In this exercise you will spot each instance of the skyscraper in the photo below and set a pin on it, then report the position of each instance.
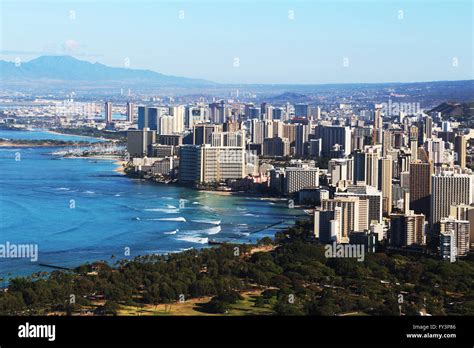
(298, 178)
(464, 212)
(378, 126)
(460, 149)
(142, 117)
(350, 214)
(460, 229)
(366, 165)
(340, 169)
(130, 112)
(276, 147)
(165, 125)
(447, 245)
(139, 142)
(302, 110)
(108, 112)
(302, 132)
(202, 133)
(448, 189)
(373, 198)
(420, 187)
(208, 164)
(428, 127)
(385, 183)
(178, 118)
(407, 229)
(332, 135)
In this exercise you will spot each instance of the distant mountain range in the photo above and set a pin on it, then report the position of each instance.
(450, 109)
(60, 75)
(70, 70)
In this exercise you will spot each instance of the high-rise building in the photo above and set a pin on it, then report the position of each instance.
(407, 229)
(234, 139)
(428, 129)
(322, 225)
(142, 117)
(165, 123)
(378, 126)
(464, 212)
(217, 112)
(385, 183)
(289, 132)
(202, 133)
(148, 117)
(350, 214)
(302, 110)
(317, 113)
(257, 131)
(460, 229)
(277, 128)
(436, 150)
(386, 142)
(420, 187)
(449, 189)
(447, 246)
(332, 135)
(222, 163)
(139, 142)
(302, 133)
(130, 112)
(276, 147)
(371, 195)
(315, 146)
(108, 112)
(341, 169)
(460, 149)
(298, 178)
(207, 164)
(177, 112)
(366, 165)
(190, 164)
(251, 112)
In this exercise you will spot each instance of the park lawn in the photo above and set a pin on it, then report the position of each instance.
(184, 309)
(247, 306)
(190, 308)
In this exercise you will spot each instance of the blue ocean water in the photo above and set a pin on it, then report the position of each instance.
(81, 210)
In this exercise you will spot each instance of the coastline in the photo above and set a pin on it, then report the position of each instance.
(120, 166)
(26, 144)
(80, 136)
(119, 162)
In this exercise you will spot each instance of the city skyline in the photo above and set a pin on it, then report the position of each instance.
(273, 160)
(286, 43)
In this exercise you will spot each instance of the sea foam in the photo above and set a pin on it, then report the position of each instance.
(193, 239)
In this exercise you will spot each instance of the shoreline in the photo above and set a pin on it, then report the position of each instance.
(118, 161)
(120, 169)
(46, 144)
(74, 135)
(120, 166)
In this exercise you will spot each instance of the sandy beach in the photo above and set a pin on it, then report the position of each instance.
(120, 166)
(75, 135)
(221, 193)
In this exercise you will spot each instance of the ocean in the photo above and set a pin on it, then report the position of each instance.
(80, 210)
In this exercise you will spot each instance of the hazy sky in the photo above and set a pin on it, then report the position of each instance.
(259, 41)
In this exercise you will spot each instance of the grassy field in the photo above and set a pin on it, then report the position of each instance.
(191, 308)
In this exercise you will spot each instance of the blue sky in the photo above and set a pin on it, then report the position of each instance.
(377, 42)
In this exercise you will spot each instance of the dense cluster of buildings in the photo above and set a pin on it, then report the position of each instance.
(396, 179)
